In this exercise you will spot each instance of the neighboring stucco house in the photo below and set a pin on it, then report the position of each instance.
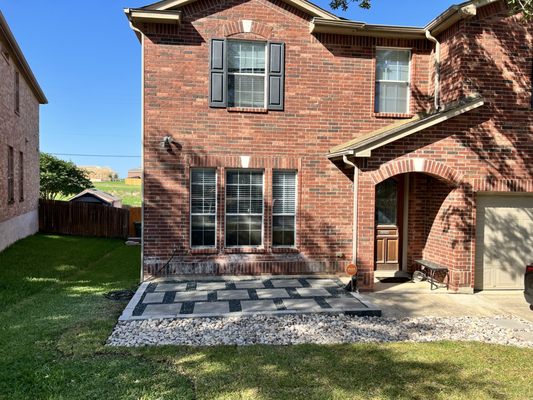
(266, 123)
(20, 96)
(96, 196)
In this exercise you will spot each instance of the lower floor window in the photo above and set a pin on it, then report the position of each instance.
(244, 208)
(203, 207)
(283, 208)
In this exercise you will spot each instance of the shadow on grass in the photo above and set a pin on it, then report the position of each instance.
(53, 346)
(339, 371)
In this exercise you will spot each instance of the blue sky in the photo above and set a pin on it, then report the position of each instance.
(90, 69)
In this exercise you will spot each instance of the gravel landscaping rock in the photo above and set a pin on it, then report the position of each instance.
(320, 329)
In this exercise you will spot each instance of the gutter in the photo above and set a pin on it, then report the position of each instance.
(141, 37)
(137, 15)
(343, 27)
(355, 206)
(437, 69)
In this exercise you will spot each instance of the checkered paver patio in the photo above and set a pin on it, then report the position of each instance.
(186, 298)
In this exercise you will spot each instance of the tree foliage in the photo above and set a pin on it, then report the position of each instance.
(60, 177)
(523, 6)
(516, 6)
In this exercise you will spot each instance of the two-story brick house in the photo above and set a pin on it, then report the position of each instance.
(279, 138)
(20, 97)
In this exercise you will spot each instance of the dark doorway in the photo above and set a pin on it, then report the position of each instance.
(388, 221)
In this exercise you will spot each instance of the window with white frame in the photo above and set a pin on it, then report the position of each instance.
(283, 208)
(203, 207)
(246, 74)
(244, 208)
(392, 80)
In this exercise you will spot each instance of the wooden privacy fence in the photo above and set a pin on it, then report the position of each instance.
(83, 219)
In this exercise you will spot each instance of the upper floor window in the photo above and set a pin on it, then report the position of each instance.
(392, 81)
(10, 175)
(17, 92)
(248, 74)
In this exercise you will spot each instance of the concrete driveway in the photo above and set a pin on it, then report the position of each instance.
(416, 300)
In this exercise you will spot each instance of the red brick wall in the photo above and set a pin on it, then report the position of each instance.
(430, 235)
(22, 133)
(488, 149)
(328, 100)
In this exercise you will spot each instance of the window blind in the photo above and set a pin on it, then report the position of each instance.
(283, 208)
(203, 207)
(244, 208)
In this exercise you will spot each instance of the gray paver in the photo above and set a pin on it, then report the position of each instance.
(210, 285)
(232, 294)
(154, 297)
(191, 296)
(272, 293)
(170, 287)
(160, 310)
(211, 307)
(318, 283)
(249, 285)
(284, 283)
(345, 304)
(258, 305)
(313, 292)
(302, 304)
(508, 323)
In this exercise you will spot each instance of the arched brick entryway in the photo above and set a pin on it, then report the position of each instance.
(421, 165)
(440, 226)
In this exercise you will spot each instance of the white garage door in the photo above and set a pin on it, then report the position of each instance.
(504, 240)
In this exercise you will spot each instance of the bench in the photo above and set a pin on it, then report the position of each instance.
(430, 269)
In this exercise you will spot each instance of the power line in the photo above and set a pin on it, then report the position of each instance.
(94, 155)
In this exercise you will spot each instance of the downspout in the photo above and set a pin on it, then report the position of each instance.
(432, 38)
(355, 206)
(142, 144)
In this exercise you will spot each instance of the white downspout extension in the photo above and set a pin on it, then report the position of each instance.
(437, 68)
(355, 206)
(142, 147)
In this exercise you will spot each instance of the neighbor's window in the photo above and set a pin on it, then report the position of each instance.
(392, 81)
(10, 175)
(246, 74)
(283, 208)
(21, 176)
(244, 208)
(17, 92)
(203, 207)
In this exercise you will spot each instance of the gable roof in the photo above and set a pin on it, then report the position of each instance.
(362, 146)
(168, 11)
(304, 5)
(107, 197)
(24, 67)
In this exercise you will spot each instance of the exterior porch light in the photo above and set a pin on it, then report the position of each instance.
(167, 143)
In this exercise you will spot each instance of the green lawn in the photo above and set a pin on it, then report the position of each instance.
(130, 195)
(54, 322)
